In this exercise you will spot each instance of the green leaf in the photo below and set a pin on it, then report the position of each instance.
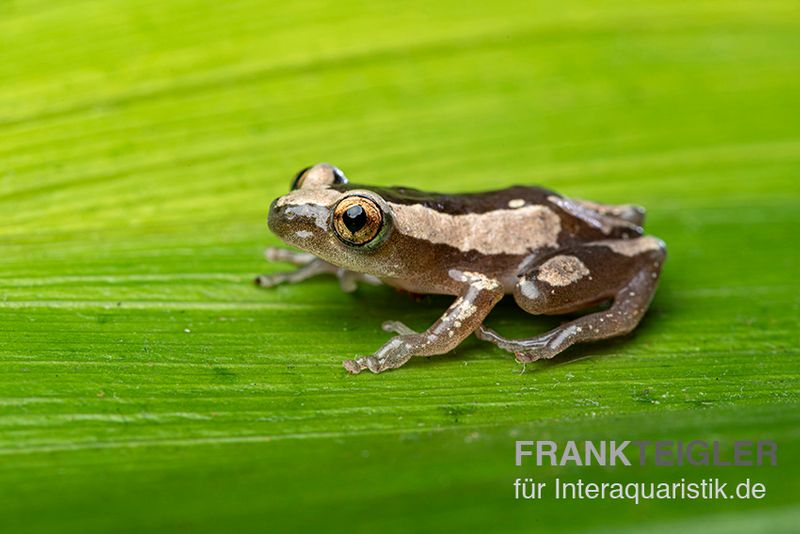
(145, 383)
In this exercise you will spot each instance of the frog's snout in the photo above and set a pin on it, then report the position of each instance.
(273, 217)
(297, 223)
(279, 220)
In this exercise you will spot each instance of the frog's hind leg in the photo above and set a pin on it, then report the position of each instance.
(625, 270)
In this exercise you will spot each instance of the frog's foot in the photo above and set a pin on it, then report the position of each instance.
(348, 280)
(357, 365)
(525, 350)
(391, 356)
(272, 280)
(287, 255)
(312, 268)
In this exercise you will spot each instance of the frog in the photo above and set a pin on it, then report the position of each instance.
(551, 253)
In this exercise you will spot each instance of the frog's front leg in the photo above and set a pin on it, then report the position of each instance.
(479, 296)
(310, 266)
(273, 254)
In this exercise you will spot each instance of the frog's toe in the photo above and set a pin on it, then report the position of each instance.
(526, 356)
(275, 279)
(264, 280)
(361, 363)
(352, 367)
(286, 255)
(484, 333)
(537, 349)
(397, 327)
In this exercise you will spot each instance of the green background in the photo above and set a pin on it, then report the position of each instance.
(145, 383)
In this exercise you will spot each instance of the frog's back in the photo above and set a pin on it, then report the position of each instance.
(468, 203)
(577, 220)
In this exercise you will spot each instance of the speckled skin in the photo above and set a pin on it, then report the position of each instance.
(553, 254)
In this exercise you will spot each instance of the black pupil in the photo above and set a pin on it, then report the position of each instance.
(354, 218)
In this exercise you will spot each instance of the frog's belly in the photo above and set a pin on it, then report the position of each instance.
(450, 287)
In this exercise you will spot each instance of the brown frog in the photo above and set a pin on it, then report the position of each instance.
(554, 254)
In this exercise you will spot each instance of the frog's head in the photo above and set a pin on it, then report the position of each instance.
(324, 215)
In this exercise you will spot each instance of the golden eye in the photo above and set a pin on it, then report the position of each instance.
(357, 220)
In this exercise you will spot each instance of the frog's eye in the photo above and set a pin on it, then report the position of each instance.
(319, 175)
(357, 220)
(338, 176)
